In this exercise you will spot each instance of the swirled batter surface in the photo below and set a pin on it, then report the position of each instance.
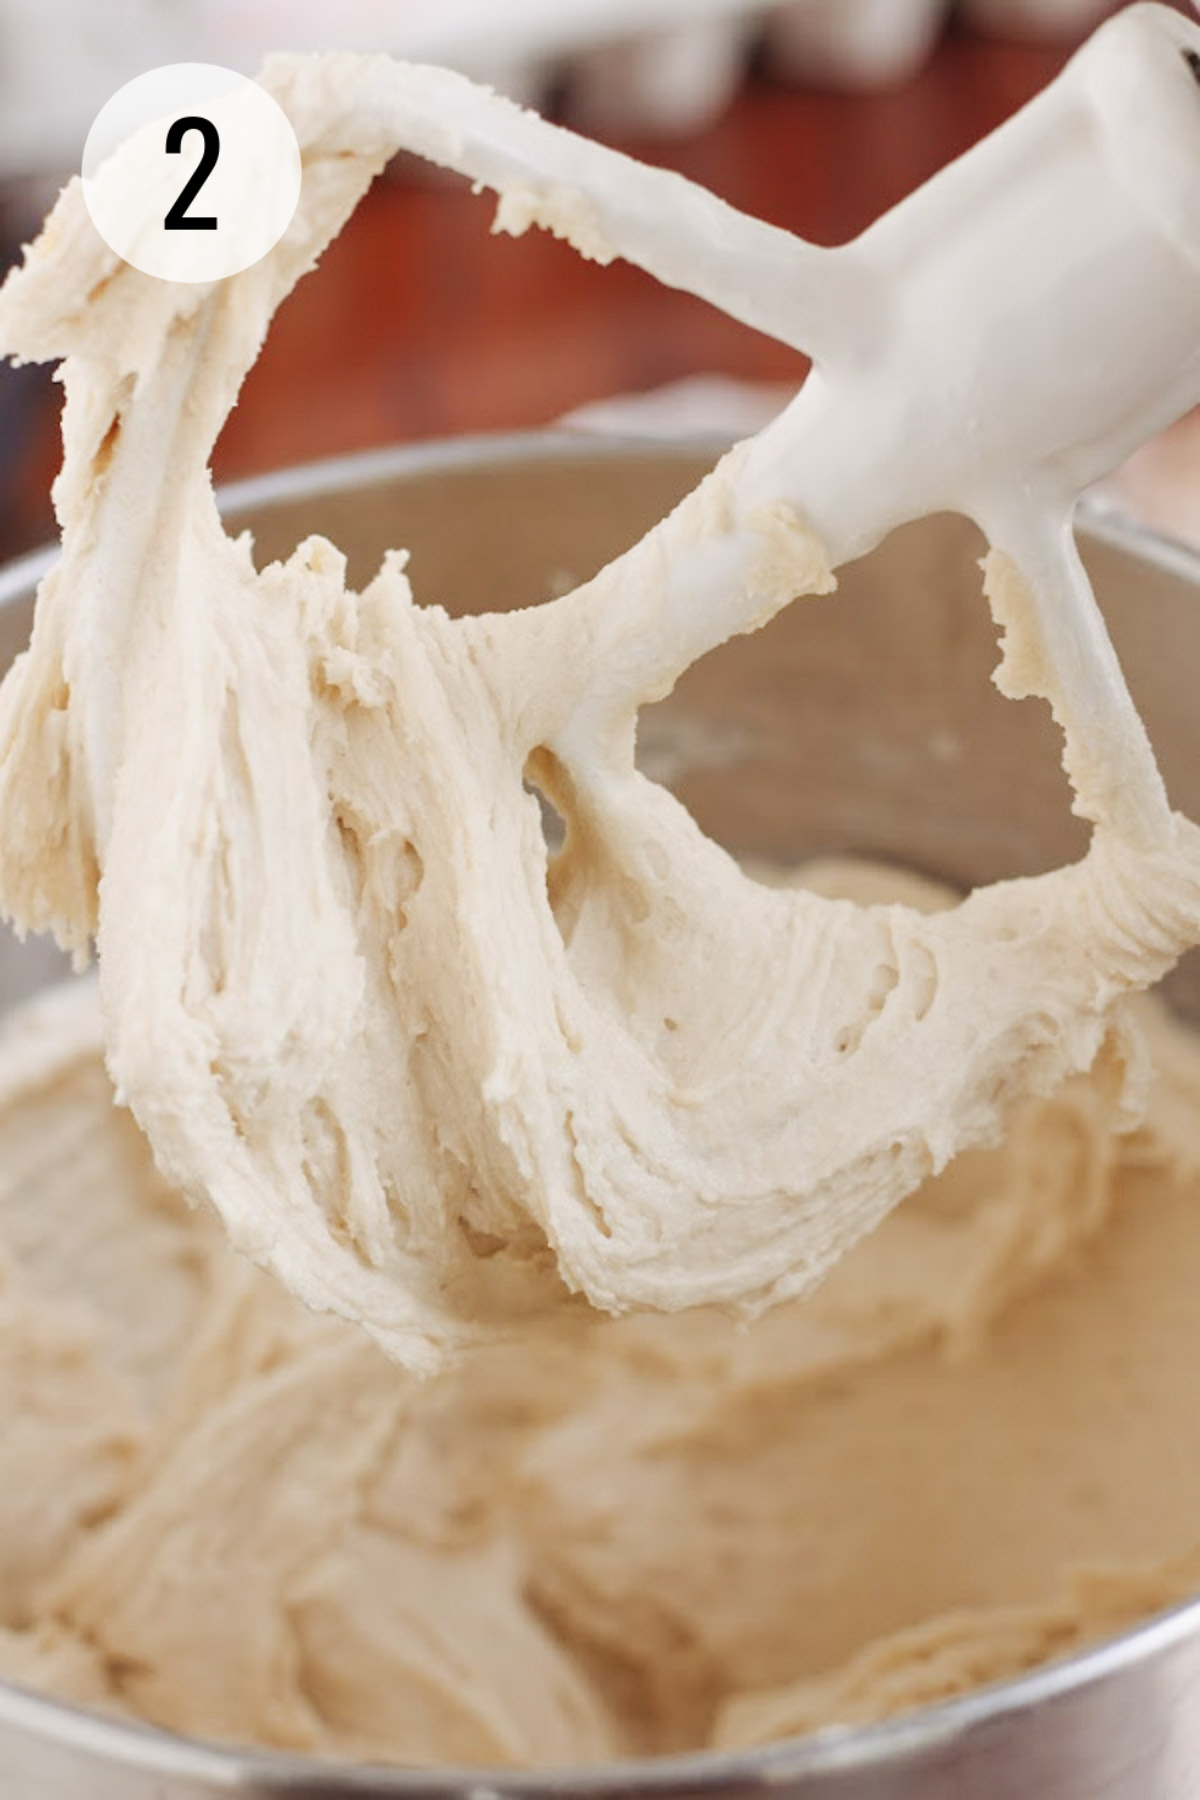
(972, 1450)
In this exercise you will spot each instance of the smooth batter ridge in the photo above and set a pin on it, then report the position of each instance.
(426, 1073)
(971, 1450)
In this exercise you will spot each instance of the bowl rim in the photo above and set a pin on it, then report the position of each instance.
(1098, 514)
(837, 1749)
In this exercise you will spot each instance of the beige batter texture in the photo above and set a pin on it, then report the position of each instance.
(426, 1073)
(972, 1450)
(450, 1089)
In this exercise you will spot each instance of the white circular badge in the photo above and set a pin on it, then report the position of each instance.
(191, 172)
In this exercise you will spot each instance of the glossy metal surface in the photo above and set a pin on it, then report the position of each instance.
(867, 725)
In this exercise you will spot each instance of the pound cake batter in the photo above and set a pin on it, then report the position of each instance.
(451, 1089)
(972, 1450)
(424, 1071)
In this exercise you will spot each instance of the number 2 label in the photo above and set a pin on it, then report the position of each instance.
(178, 219)
(221, 196)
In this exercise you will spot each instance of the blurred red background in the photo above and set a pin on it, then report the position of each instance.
(421, 323)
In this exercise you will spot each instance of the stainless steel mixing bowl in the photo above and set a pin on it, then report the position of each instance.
(867, 724)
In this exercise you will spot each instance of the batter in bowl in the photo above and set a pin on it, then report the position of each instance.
(453, 1089)
(970, 1451)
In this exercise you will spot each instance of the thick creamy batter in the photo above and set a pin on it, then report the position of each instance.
(424, 1072)
(234, 1517)
(449, 1087)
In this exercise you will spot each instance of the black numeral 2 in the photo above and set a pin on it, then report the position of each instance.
(177, 219)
